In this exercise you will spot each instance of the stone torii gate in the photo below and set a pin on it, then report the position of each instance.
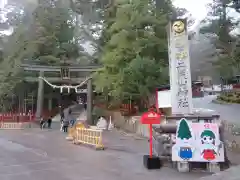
(65, 72)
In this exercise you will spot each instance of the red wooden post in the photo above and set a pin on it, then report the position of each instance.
(151, 118)
(150, 140)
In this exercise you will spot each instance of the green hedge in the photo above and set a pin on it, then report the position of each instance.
(231, 97)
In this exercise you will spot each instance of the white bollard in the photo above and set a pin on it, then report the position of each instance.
(110, 125)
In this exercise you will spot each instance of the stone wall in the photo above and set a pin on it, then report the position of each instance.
(128, 124)
(133, 125)
(232, 136)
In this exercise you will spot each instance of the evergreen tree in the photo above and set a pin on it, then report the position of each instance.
(220, 25)
(42, 34)
(183, 130)
(135, 55)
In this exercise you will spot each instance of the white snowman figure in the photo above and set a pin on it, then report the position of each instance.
(102, 123)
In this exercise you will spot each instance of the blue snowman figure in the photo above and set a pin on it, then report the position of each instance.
(185, 153)
(184, 135)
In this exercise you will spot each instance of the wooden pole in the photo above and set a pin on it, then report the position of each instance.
(150, 141)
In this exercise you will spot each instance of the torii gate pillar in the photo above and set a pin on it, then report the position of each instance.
(89, 102)
(40, 95)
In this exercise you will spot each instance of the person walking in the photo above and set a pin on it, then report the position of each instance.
(42, 123)
(65, 124)
(71, 118)
(85, 106)
(61, 120)
(72, 122)
(49, 121)
(62, 115)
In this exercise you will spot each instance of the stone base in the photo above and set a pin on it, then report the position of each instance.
(213, 167)
(151, 162)
(183, 166)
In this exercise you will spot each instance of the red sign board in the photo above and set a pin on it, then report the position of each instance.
(151, 117)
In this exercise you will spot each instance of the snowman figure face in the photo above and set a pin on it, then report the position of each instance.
(207, 140)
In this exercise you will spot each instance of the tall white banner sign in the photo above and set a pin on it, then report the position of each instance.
(179, 63)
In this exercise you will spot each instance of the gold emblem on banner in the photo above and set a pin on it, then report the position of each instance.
(181, 55)
(178, 26)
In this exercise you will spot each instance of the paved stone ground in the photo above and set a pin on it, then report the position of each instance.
(230, 174)
(77, 112)
(36, 154)
(228, 112)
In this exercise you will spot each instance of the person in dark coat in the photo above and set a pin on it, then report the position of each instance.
(69, 111)
(49, 121)
(62, 115)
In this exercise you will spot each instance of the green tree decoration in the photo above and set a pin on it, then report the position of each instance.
(183, 130)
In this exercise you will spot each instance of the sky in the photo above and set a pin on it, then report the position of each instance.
(2, 2)
(197, 8)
